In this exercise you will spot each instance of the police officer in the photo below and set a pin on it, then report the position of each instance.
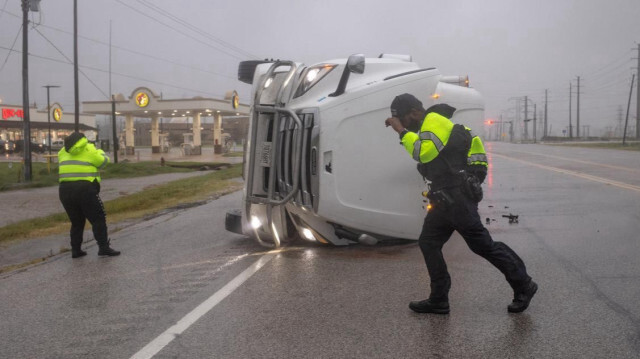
(454, 162)
(79, 176)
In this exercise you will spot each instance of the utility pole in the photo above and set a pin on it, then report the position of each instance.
(113, 127)
(33, 5)
(638, 99)
(626, 121)
(570, 94)
(526, 120)
(535, 134)
(578, 110)
(619, 126)
(49, 113)
(75, 66)
(545, 133)
(113, 107)
(511, 131)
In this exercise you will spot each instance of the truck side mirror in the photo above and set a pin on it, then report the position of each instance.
(355, 64)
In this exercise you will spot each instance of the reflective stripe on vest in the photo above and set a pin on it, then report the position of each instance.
(89, 174)
(477, 158)
(416, 150)
(427, 135)
(435, 139)
(73, 162)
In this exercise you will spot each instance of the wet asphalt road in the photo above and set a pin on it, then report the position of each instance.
(578, 233)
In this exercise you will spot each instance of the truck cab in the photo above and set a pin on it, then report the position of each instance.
(320, 164)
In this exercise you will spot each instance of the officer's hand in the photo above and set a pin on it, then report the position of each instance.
(395, 123)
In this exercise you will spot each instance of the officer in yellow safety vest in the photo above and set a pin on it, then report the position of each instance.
(79, 176)
(454, 161)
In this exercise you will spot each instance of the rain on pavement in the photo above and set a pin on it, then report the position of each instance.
(577, 231)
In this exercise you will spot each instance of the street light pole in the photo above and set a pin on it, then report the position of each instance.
(113, 129)
(49, 113)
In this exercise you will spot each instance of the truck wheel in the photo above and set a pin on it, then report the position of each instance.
(246, 69)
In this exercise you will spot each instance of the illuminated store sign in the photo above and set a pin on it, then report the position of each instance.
(9, 112)
(142, 99)
(235, 100)
(57, 114)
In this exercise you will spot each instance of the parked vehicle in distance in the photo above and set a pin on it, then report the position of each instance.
(35, 147)
(7, 146)
(56, 145)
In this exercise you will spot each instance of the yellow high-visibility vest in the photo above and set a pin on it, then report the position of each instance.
(82, 163)
(434, 135)
(477, 155)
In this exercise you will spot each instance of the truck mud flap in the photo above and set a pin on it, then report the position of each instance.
(233, 221)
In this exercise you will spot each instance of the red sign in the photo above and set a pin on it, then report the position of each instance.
(9, 112)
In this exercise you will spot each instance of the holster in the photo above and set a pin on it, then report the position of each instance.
(471, 187)
(440, 197)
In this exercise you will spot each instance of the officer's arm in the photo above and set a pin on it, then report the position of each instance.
(422, 151)
(477, 159)
(105, 158)
(98, 157)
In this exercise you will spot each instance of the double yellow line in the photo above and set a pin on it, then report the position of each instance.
(574, 173)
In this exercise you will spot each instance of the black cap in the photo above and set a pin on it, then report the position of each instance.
(403, 104)
(442, 109)
(72, 139)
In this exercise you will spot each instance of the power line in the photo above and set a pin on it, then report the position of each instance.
(625, 55)
(3, 7)
(71, 62)
(11, 49)
(10, 13)
(141, 53)
(603, 75)
(118, 74)
(131, 51)
(188, 25)
(176, 30)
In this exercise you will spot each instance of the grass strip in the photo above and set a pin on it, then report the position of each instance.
(605, 145)
(11, 173)
(137, 205)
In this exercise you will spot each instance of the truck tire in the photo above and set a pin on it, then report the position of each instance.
(246, 69)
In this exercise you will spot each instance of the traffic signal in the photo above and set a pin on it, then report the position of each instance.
(489, 122)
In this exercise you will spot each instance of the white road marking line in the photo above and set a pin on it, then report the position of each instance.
(156, 345)
(577, 174)
(580, 161)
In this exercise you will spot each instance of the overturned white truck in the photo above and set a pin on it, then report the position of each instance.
(319, 162)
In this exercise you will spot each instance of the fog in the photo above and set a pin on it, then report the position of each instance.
(509, 49)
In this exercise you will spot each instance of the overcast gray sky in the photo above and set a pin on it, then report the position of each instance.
(508, 48)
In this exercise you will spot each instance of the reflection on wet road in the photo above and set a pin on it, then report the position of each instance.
(579, 219)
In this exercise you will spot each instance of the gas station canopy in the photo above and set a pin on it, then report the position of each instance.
(145, 103)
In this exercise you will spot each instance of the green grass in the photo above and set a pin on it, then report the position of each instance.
(137, 205)
(233, 154)
(12, 175)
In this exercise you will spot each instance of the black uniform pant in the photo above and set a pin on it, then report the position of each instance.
(81, 200)
(462, 216)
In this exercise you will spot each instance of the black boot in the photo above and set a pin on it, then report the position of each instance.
(522, 298)
(106, 251)
(428, 306)
(77, 253)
